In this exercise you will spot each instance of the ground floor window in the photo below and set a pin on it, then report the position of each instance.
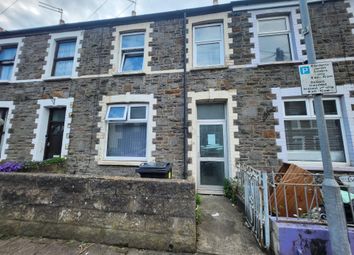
(127, 131)
(301, 132)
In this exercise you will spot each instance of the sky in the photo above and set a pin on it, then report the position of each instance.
(27, 14)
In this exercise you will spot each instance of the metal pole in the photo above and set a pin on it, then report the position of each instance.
(333, 202)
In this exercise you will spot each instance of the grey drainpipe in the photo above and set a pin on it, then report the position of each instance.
(185, 109)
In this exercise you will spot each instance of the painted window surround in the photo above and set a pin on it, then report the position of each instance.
(19, 42)
(232, 130)
(350, 9)
(49, 59)
(295, 34)
(102, 125)
(215, 18)
(42, 125)
(7, 126)
(343, 92)
(116, 51)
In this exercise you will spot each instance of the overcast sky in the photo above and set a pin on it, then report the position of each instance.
(27, 13)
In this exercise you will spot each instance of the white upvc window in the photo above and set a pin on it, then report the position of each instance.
(208, 46)
(132, 52)
(301, 132)
(126, 132)
(274, 38)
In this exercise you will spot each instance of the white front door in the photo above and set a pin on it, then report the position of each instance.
(212, 149)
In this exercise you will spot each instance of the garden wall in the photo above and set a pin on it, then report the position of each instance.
(300, 238)
(141, 213)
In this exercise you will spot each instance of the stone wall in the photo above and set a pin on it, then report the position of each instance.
(167, 45)
(141, 213)
(96, 51)
(32, 59)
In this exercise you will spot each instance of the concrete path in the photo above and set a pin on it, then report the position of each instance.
(221, 232)
(222, 229)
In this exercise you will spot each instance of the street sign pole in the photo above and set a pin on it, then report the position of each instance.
(333, 202)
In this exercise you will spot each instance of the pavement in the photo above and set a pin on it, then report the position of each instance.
(221, 232)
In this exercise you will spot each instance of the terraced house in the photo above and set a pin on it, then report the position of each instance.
(202, 88)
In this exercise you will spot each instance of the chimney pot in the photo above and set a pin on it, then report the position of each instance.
(133, 13)
(215, 2)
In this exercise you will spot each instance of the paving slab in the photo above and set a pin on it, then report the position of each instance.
(222, 230)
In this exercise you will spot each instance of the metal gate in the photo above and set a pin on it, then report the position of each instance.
(253, 191)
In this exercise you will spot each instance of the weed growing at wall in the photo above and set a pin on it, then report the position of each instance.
(198, 211)
(230, 189)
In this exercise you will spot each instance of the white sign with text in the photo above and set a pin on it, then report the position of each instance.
(317, 79)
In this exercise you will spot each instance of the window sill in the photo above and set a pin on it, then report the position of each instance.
(5, 82)
(295, 62)
(59, 78)
(201, 68)
(129, 73)
(119, 163)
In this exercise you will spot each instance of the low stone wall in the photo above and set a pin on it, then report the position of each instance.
(302, 238)
(141, 213)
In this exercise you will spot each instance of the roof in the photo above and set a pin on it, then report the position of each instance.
(135, 19)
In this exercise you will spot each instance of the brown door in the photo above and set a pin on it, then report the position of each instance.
(3, 112)
(54, 137)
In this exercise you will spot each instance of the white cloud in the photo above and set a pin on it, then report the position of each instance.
(27, 13)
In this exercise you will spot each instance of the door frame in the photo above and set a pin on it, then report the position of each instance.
(211, 189)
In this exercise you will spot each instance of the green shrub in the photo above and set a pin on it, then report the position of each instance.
(230, 189)
(198, 211)
(198, 199)
(53, 165)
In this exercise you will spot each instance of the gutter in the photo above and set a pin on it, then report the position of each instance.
(185, 108)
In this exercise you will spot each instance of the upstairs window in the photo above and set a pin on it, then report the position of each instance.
(301, 132)
(127, 132)
(208, 45)
(64, 57)
(7, 60)
(274, 39)
(132, 52)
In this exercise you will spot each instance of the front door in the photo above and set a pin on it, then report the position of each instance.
(212, 148)
(54, 137)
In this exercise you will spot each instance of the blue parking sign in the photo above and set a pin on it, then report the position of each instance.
(305, 70)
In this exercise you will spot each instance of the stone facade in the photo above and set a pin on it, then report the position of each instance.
(257, 136)
(120, 211)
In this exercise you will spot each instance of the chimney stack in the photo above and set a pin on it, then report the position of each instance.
(1, 29)
(215, 2)
(133, 13)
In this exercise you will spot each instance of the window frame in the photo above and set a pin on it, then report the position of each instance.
(221, 42)
(312, 116)
(56, 59)
(8, 62)
(130, 51)
(127, 120)
(289, 32)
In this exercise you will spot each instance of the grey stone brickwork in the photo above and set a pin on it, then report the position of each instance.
(96, 51)
(33, 55)
(241, 38)
(254, 98)
(167, 45)
(332, 30)
(139, 213)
